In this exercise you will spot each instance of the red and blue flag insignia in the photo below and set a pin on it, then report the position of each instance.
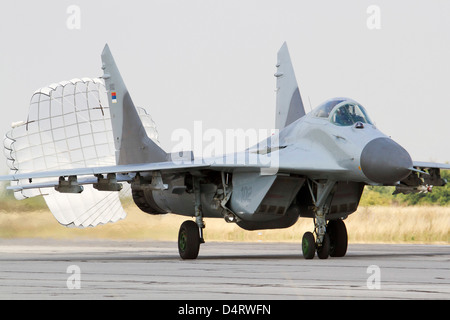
(114, 97)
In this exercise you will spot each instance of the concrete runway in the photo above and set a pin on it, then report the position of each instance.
(103, 269)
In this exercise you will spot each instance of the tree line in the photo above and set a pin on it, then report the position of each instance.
(374, 195)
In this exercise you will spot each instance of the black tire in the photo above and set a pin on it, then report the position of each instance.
(308, 245)
(323, 251)
(188, 240)
(338, 238)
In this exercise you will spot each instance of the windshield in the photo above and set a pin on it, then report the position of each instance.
(349, 114)
(323, 111)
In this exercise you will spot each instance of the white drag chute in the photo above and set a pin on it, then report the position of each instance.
(69, 127)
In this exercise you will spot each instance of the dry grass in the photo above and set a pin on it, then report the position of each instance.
(368, 224)
(419, 224)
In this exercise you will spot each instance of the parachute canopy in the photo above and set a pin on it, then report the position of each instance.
(69, 126)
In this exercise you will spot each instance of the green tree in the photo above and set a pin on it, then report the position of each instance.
(382, 196)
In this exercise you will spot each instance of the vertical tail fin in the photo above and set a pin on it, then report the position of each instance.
(289, 102)
(131, 141)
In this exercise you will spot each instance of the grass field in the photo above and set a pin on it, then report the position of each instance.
(373, 224)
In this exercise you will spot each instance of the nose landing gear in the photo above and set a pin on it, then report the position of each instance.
(331, 239)
(334, 243)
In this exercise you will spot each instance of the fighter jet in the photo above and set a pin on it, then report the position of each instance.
(315, 165)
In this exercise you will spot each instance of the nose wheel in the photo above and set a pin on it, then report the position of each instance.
(338, 238)
(334, 242)
(308, 245)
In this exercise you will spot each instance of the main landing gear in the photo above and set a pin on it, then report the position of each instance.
(328, 239)
(190, 235)
(189, 240)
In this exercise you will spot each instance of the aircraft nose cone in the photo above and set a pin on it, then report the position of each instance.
(385, 161)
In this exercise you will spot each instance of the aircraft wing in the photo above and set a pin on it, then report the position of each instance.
(429, 176)
(121, 170)
(125, 173)
(431, 165)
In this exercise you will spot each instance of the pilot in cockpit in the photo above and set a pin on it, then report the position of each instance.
(343, 117)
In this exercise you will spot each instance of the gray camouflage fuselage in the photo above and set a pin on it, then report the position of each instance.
(312, 148)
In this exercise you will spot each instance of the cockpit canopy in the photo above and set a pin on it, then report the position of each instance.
(342, 112)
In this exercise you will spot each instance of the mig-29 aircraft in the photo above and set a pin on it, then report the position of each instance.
(316, 165)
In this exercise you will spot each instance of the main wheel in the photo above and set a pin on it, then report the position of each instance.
(338, 238)
(323, 251)
(188, 240)
(308, 245)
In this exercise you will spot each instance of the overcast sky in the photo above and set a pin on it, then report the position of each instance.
(214, 60)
